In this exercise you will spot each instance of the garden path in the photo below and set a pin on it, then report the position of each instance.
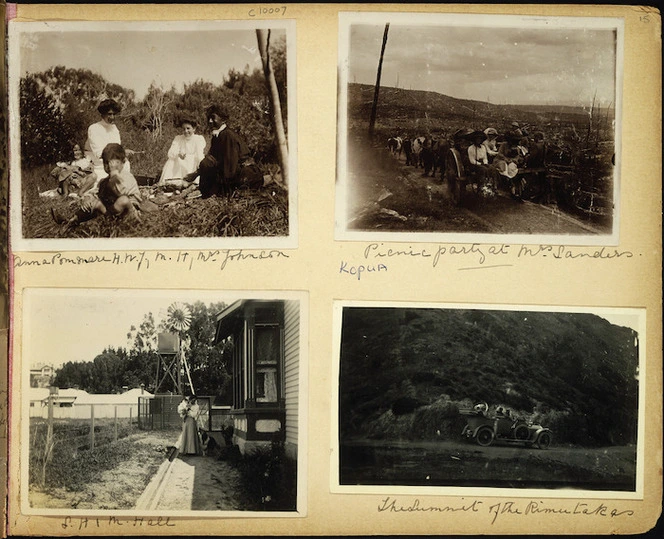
(196, 483)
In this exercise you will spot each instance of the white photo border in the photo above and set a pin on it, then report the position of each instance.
(347, 19)
(19, 243)
(570, 493)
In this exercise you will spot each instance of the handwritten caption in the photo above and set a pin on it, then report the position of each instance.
(84, 523)
(507, 509)
(144, 260)
(375, 256)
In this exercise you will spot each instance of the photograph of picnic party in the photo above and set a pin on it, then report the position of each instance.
(156, 403)
(478, 124)
(518, 399)
(152, 130)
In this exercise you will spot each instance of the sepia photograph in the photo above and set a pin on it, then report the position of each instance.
(471, 127)
(139, 132)
(163, 402)
(522, 399)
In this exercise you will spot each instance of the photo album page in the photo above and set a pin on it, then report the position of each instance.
(325, 269)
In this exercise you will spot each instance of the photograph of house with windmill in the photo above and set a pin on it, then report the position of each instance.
(477, 126)
(163, 401)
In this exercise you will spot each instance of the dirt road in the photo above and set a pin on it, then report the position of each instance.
(449, 463)
(385, 194)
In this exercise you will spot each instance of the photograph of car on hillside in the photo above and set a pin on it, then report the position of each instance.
(491, 397)
(131, 133)
(477, 126)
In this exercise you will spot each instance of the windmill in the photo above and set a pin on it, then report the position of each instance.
(171, 345)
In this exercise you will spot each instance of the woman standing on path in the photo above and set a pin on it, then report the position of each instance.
(189, 442)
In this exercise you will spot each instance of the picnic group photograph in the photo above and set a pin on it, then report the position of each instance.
(162, 402)
(478, 125)
(152, 130)
(516, 399)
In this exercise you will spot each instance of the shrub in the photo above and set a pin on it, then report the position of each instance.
(270, 478)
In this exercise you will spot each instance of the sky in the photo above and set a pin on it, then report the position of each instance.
(77, 325)
(499, 65)
(135, 58)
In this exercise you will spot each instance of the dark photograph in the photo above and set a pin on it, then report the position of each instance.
(164, 403)
(152, 130)
(489, 398)
(478, 125)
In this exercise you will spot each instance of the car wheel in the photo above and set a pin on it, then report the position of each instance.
(522, 433)
(484, 436)
(544, 440)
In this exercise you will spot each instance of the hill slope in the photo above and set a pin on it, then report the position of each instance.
(574, 369)
(399, 108)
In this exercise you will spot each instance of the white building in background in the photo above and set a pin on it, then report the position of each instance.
(78, 404)
(41, 375)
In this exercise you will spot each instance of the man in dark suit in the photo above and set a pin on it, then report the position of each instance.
(227, 164)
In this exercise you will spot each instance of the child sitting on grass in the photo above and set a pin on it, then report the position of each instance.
(117, 194)
(74, 178)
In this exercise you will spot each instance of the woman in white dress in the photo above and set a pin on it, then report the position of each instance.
(102, 133)
(185, 153)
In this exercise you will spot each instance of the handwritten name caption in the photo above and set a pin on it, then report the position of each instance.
(84, 523)
(144, 260)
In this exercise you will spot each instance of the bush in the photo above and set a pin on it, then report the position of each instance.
(270, 478)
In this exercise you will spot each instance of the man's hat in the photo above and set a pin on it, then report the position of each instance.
(477, 134)
(490, 131)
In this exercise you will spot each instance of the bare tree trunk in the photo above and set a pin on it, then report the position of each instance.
(372, 121)
(275, 103)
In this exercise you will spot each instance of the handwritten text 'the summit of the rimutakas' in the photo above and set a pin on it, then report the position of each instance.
(506, 509)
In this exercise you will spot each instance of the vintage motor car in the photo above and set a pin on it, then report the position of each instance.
(486, 429)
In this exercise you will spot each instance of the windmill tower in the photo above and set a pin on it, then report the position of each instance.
(171, 351)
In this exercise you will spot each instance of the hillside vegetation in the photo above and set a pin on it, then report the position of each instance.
(422, 111)
(405, 373)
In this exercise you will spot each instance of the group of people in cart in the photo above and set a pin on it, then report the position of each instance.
(500, 161)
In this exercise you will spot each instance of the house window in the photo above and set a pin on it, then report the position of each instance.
(268, 353)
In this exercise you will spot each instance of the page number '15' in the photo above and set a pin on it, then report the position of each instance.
(644, 18)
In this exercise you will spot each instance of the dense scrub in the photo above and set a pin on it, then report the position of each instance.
(406, 372)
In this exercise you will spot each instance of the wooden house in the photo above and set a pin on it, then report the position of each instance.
(265, 335)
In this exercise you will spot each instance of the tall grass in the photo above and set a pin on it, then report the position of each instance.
(68, 460)
(249, 212)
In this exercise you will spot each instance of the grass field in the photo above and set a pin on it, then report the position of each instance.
(245, 213)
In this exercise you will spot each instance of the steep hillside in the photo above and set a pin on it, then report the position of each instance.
(577, 370)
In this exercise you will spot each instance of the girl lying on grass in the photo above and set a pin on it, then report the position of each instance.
(117, 194)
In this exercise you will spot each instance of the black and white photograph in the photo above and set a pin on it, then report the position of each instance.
(136, 134)
(534, 400)
(163, 403)
(471, 127)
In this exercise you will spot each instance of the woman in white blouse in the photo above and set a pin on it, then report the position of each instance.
(102, 133)
(185, 153)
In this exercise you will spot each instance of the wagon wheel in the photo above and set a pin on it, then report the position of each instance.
(454, 175)
(544, 440)
(484, 436)
(522, 433)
